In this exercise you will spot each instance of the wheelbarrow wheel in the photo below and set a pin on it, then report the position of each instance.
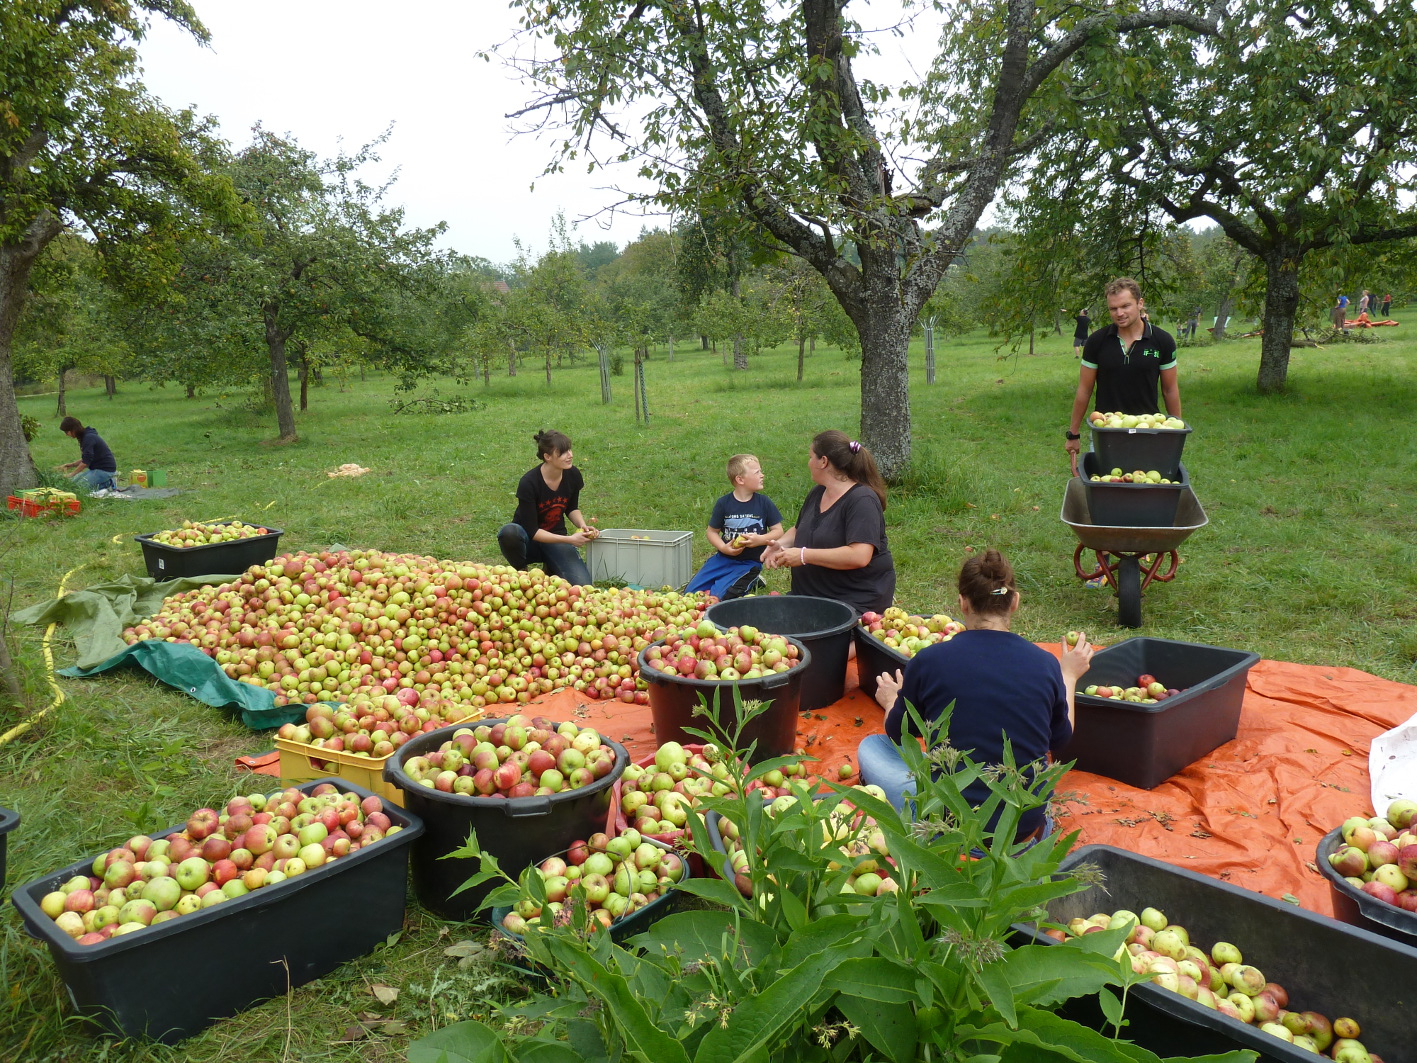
(1129, 591)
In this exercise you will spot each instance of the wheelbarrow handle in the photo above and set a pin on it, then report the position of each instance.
(1073, 461)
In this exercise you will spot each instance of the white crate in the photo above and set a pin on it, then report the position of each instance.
(642, 558)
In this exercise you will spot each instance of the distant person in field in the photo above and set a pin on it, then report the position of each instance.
(1363, 301)
(1339, 313)
(1387, 306)
(1124, 362)
(96, 465)
(546, 496)
(742, 523)
(1193, 324)
(1084, 322)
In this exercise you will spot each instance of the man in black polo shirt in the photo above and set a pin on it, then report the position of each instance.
(1125, 361)
(96, 465)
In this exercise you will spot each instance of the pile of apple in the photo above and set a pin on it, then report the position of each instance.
(194, 533)
(1117, 476)
(861, 845)
(1135, 420)
(516, 757)
(327, 626)
(253, 843)
(602, 879)
(1222, 981)
(1379, 855)
(908, 634)
(371, 725)
(707, 652)
(658, 798)
(1148, 691)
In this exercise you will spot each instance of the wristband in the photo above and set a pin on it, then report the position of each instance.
(1071, 435)
(802, 557)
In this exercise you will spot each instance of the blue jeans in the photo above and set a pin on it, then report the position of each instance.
(95, 479)
(881, 763)
(559, 559)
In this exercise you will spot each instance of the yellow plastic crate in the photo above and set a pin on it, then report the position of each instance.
(301, 763)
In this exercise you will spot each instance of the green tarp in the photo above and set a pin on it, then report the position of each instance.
(96, 617)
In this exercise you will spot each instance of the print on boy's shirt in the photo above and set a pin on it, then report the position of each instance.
(746, 524)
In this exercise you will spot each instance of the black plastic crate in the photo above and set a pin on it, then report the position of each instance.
(874, 657)
(172, 980)
(1123, 505)
(1144, 745)
(220, 559)
(1140, 448)
(1355, 907)
(8, 822)
(1325, 965)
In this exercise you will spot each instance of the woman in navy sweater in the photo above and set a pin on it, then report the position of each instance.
(1003, 687)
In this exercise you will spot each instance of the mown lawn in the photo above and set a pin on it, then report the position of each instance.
(1310, 555)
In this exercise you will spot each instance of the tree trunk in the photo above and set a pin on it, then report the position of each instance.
(703, 342)
(1222, 314)
(303, 374)
(812, 345)
(1281, 303)
(280, 376)
(110, 385)
(801, 356)
(10, 689)
(548, 369)
(671, 348)
(885, 384)
(60, 409)
(512, 360)
(17, 471)
(740, 353)
(191, 391)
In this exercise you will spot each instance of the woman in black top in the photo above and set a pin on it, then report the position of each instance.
(838, 548)
(546, 496)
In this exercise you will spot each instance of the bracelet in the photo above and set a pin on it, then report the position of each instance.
(802, 557)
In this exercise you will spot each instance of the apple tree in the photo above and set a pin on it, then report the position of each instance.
(84, 148)
(759, 108)
(324, 258)
(1294, 131)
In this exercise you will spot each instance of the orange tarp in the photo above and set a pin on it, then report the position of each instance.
(1251, 812)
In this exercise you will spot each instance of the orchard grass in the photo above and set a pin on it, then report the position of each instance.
(1310, 556)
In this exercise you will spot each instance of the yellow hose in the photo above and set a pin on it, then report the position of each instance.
(24, 725)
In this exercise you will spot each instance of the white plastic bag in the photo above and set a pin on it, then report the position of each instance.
(1392, 765)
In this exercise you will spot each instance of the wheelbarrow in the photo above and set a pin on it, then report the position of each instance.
(1129, 559)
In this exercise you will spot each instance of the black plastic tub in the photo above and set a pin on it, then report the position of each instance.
(626, 926)
(8, 822)
(673, 699)
(214, 559)
(1140, 448)
(1355, 907)
(517, 831)
(1144, 745)
(1131, 505)
(1325, 965)
(172, 980)
(823, 625)
(874, 657)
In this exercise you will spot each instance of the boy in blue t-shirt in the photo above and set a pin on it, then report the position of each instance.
(742, 523)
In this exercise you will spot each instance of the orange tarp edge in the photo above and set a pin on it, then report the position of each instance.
(1251, 813)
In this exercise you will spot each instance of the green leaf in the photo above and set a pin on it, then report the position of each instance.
(1111, 1005)
(759, 1021)
(551, 1052)
(708, 934)
(462, 1042)
(642, 1036)
(890, 1028)
(714, 889)
(842, 933)
(875, 978)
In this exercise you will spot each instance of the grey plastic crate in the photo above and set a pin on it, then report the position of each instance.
(642, 558)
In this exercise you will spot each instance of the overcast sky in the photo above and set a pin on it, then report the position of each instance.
(323, 71)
